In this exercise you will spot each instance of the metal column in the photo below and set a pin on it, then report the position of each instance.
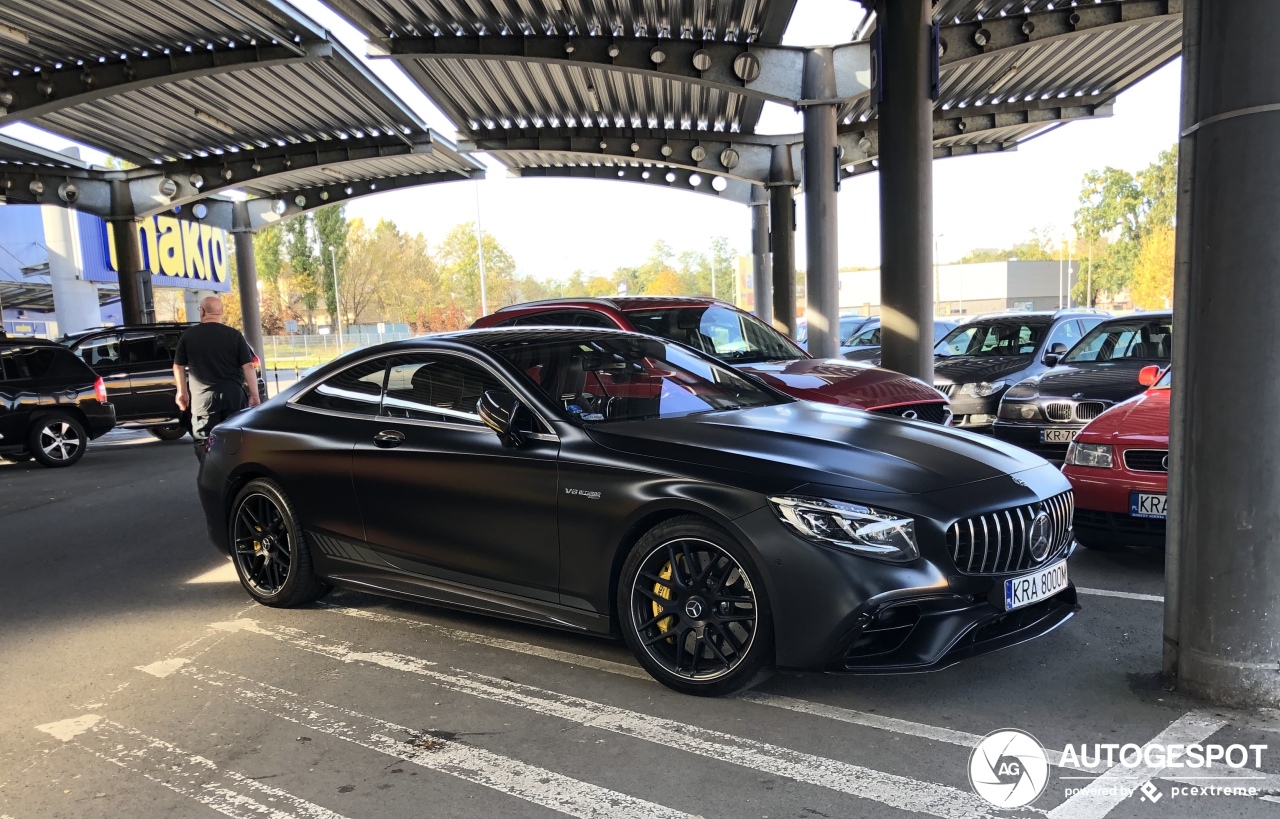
(821, 182)
(247, 279)
(136, 304)
(906, 187)
(761, 292)
(1228, 601)
(782, 239)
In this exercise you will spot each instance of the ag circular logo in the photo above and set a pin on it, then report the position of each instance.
(1009, 768)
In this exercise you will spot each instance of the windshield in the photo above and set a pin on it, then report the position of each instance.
(735, 336)
(1133, 339)
(1011, 338)
(1165, 381)
(628, 378)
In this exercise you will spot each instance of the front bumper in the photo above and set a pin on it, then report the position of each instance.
(974, 414)
(835, 611)
(1102, 505)
(1027, 436)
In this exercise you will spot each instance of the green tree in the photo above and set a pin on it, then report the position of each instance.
(459, 262)
(304, 266)
(1038, 247)
(331, 232)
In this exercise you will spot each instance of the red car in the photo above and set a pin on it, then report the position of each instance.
(1119, 467)
(743, 341)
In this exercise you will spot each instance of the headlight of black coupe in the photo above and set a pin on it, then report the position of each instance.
(862, 529)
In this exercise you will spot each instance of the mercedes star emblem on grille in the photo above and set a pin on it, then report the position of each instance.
(1039, 540)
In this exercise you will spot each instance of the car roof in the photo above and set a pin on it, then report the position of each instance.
(159, 325)
(19, 342)
(621, 303)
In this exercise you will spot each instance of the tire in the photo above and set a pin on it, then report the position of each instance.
(168, 432)
(718, 616)
(57, 440)
(269, 549)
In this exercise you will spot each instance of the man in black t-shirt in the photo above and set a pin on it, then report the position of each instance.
(218, 363)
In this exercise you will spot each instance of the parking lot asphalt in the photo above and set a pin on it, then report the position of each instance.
(139, 680)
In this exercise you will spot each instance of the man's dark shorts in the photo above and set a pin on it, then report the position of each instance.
(211, 406)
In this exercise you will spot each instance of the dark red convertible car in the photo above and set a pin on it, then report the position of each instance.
(1119, 467)
(744, 342)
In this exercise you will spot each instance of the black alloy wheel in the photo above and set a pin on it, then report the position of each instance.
(168, 432)
(269, 550)
(57, 440)
(693, 610)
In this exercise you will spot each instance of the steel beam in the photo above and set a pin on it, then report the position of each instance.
(247, 278)
(782, 239)
(763, 72)
(136, 306)
(1228, 599)
(821, 183)
(268, 166)
(270, 210)
(975, 40)
(721, 156)
(676, 178)
(906, 188)
(30, 96)
(761, 292)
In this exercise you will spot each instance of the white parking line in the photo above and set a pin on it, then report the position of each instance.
(467, 762)
(894, 790)
(1109, 790)
(1151, 598)
(185, 773)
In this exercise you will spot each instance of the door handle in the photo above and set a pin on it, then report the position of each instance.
(118, 375)
(388, 439)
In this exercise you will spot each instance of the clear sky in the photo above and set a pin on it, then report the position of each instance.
(553, 226)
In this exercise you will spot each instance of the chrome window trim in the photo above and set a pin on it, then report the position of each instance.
(480, 427)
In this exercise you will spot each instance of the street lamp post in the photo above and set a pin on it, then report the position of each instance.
(337, 305)
(937, 279)
(484, 300)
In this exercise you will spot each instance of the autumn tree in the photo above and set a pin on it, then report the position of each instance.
(1152, 287)
(304, 265)
(330, 227)
(458, 259)
(666, 283)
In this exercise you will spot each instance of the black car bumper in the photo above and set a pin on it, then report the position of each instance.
(1028, 436)
(1116, 528)
(100, 421)
(974, 414)
(837, 612)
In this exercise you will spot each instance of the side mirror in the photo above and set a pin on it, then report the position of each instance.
(497, 409)
(1056, 351)
(1148, 375)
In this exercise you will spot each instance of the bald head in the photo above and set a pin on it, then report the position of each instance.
(211, 309)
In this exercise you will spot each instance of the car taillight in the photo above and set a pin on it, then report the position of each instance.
(257, 364)
(100, 390)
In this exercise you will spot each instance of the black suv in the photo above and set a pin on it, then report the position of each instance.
(136, 363)
(51, 404)
(977, 361)
(1044, 413)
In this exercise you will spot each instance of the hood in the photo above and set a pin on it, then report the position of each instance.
(802, 442)
(1105, 381)
(847, 383)
(1139, 422)
(967, 369)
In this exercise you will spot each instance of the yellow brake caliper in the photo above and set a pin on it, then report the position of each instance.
(664, 625)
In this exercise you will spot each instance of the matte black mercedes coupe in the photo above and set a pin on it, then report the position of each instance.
(613, 483)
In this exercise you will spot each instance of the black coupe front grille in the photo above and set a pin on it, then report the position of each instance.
(999, 542)
(935, 412)
(1147, 460)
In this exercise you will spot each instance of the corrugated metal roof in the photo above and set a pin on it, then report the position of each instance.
(18, 153)
(1100, 62)
(439, 161)
(735, 20)
(493, 94)
(299, 102)
(72, 30)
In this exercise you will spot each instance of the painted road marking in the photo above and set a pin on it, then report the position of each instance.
(890, 789)
(1109, 790)
(1150, 598)
(191, 775)
(426, 750)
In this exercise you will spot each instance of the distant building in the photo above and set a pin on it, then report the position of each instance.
(970, 289)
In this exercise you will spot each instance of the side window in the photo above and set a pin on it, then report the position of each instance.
(1090, 323)
(867, 338)
(429, 387)
(586, 318)
(10, 368)
(1067, 334)
(356, 389)
(101, 352)
(148, 348)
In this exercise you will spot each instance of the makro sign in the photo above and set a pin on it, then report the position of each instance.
(182, 249)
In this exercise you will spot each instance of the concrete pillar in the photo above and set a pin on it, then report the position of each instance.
(247, 278)
(135, 285)
(191, 302)
(74, 300)
(906, 187)
(821, 181)
(782, 239)
(1228, 600)
(761, 278)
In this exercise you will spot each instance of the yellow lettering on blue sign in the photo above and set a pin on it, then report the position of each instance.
(177, 248)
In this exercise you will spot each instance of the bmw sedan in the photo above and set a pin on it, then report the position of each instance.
(619, 484)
